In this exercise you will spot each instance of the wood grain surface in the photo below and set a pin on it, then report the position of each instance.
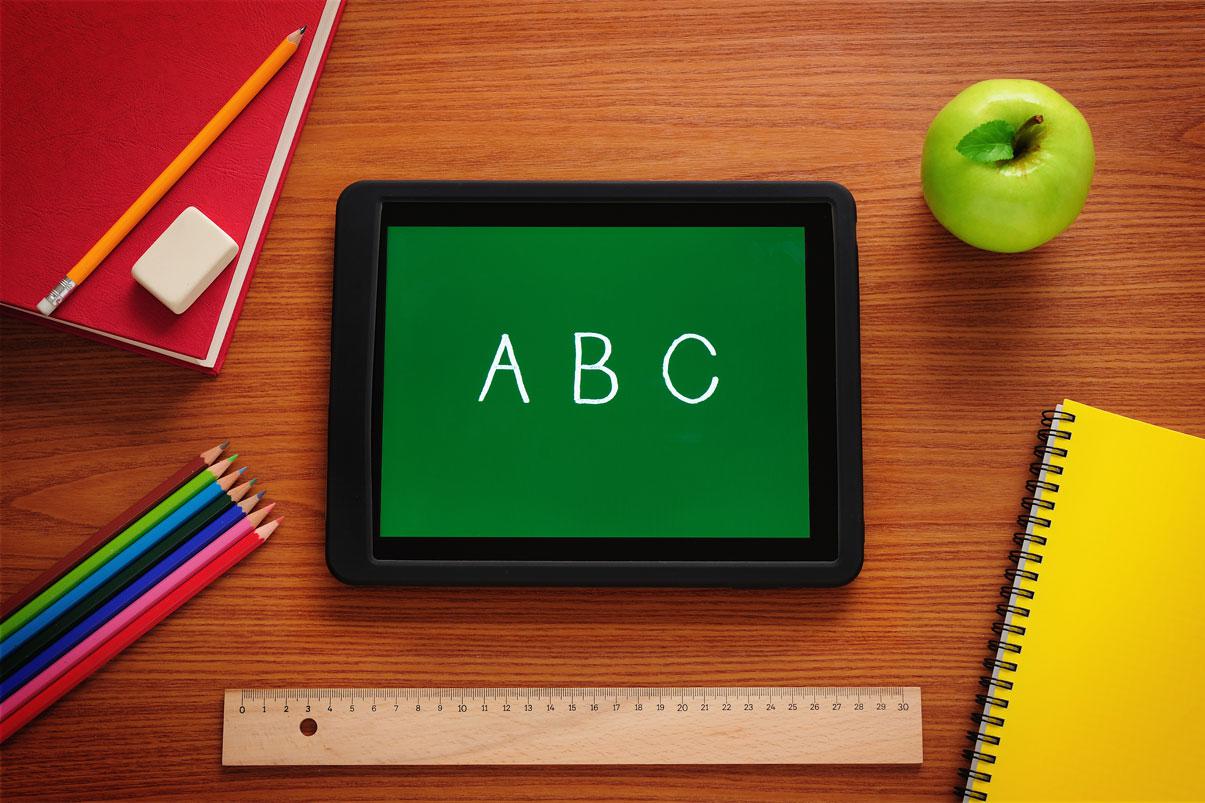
(960, 352)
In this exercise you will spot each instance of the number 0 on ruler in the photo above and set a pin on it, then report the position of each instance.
(797, 725)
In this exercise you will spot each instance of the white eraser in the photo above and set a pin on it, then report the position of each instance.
(185, 260)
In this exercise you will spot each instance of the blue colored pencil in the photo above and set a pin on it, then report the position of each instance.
(119, 561)
(136, 589)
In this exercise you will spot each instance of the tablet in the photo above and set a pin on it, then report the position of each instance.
(595, 383)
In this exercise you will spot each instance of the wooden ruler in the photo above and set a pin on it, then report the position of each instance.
(795, 725)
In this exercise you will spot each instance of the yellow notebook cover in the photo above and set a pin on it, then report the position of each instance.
(1097, 685)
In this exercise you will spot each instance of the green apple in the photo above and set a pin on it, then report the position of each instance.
(1007, 164)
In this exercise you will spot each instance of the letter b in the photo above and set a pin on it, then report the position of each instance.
(595, 366)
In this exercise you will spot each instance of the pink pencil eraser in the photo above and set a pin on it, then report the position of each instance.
(185, 260)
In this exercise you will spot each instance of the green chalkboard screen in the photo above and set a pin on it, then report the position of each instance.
(640, 383)
(594, 382)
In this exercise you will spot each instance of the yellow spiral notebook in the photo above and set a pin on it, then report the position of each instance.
(1096, 689)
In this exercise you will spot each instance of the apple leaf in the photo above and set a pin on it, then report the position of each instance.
(990, 142)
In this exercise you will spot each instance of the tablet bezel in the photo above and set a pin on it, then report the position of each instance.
(831, 556)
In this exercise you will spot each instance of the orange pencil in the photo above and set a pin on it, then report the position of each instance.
(172, 173)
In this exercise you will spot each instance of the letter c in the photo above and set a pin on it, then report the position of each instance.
(669, 383)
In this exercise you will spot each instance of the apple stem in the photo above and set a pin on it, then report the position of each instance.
(1023, 138)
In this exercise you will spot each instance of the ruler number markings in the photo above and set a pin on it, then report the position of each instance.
(546, 701)
(679, 725)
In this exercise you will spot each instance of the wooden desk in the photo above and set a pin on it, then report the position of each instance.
(961, 350)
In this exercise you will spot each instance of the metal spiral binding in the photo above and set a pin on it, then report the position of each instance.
(1024, 558)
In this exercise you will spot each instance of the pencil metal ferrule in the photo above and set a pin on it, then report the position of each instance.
(55, 297)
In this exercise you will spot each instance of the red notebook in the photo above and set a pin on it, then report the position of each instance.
(95, 100)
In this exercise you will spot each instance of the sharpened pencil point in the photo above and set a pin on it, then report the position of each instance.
(263, 531)
(210, 455)
(223, 445)
(295, 36)
(241, 470)
(219, 468)
(255, 517)
(267, 529)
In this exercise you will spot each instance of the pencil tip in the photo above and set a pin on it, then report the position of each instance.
(223, 445)
(210, 455)
(260, 495)
(241, 470)
(301, 29)
(265, 530)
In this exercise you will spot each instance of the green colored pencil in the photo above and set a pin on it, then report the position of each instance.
(119, 542)
(15, 659)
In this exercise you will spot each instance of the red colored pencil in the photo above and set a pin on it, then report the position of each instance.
(98, 539)
(135, 630)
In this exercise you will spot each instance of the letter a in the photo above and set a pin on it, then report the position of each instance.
(597, 366)
(669, 383)
(504, 347)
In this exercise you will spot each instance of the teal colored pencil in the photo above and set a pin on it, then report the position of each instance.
(151, 518)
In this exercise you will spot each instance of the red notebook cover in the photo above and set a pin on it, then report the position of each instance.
(95, 100)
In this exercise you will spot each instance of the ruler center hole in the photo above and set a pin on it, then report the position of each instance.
(308, 727)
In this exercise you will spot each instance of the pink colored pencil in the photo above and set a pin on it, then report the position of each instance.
(128, 614)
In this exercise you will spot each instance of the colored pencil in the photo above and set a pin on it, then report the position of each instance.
(172, 173)
(129, 552)
(128, 626)
(151, 519)
(13, 659)
(97, 539)
(230, 536)
(127, 596)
